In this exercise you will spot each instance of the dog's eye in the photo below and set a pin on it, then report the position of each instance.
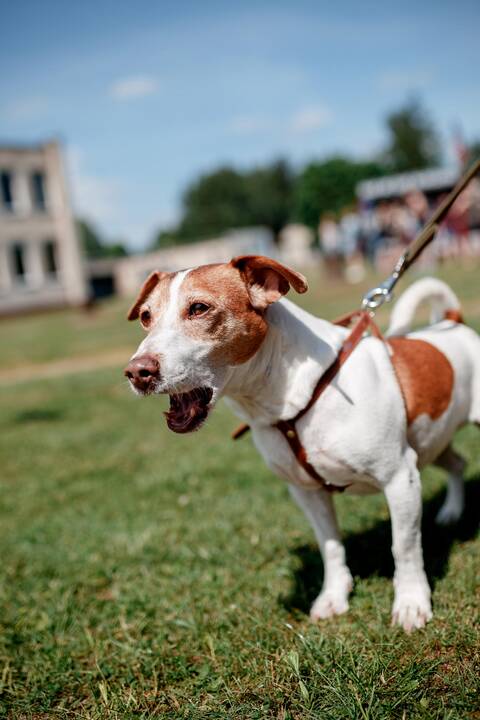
(197, 309)
(145, 318)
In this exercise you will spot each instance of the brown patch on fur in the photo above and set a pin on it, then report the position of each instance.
(425, 376)
(148, 286)
(453, 315)
(235, 328)
(266, 279)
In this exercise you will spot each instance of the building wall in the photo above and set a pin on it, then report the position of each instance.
(41, 263)
(130, 272)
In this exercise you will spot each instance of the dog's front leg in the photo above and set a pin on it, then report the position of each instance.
(411, 606)
(318, 507)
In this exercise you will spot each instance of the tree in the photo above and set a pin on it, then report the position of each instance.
(228, 198)
(166, 238)
(270, 195)
(329, 186)
(413, 142)
(115, 249)
(89, 239)
(94, 246)
(213, 204)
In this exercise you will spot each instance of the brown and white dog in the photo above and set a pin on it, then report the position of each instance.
(218, 330)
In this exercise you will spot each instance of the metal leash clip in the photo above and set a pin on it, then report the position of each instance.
(376, 297)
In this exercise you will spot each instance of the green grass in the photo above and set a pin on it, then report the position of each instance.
(146, 574)
(58, 335)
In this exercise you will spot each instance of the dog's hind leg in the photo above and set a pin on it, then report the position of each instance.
(411, 606)
(337, 584)
(454, 503)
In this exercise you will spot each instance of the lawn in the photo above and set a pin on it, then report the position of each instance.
(146, 574)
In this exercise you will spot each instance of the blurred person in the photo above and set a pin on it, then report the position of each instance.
(474, 216)
(445, 246)
(350, 228)
(331, 244)
(417, 204)
(383, 234)
(444, 243)
(369, 231)
(404, 224)
(457, 222)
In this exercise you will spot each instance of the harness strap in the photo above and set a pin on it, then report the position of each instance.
(288, 427)
(363, 323)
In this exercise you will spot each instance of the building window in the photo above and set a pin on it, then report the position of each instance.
(50, 257)
(37, 182)
(6, 194)
(18, 261)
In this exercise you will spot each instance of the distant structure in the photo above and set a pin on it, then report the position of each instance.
(432, 182)
(41, 264)
(124, 276)
(296, 246)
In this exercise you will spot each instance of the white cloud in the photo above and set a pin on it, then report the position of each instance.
(248, 124)
(311, 118)
(401, 81)
(304, 120)
(135, 86)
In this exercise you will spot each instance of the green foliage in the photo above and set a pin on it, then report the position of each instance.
(228, 198)
(89, 239)
(166, 238)
(329, 186)
(413, 142)
(94, 246)
(214, 203)
(270, 195)
(116, 249)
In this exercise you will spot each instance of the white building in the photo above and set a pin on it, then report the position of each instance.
(41, 264)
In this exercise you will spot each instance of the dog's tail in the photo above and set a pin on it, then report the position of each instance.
(444, 305)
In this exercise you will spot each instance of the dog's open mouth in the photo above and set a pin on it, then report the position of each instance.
(188, 410)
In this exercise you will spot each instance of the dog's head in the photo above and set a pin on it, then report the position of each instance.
(200, 323)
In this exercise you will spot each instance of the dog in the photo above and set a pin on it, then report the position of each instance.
(227, 330)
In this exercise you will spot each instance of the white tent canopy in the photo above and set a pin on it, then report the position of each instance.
(435, 179)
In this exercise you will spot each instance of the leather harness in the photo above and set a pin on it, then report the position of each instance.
(288, 427)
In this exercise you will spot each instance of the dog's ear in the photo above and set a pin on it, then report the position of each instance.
(266, 279)
(147, 287)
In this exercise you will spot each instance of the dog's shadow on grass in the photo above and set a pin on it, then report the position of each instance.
(369, 552)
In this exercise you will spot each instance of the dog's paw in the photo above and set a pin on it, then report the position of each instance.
(328, 604)
(412, 608)
(332, 600)
(449, 514)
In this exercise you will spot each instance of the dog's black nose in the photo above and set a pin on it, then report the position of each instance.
(143, 372)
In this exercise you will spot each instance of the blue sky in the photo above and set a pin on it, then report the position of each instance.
(146, 95)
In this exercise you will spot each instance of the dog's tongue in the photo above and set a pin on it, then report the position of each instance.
(188, 410)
